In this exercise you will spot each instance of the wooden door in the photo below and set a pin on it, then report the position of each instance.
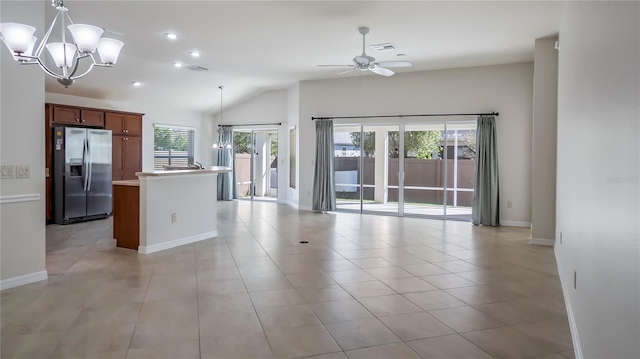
(132, 154)
(113, 122)
(92, 118)
(117, 167)
(66, 115)
(132, 124)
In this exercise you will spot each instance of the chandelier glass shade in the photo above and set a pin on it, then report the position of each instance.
(221, 143)
(86, 40)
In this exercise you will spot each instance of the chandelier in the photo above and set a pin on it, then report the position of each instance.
(220, 143)
(66, 55)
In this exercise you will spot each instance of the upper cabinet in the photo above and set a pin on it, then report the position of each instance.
(125, 124)
(77, 116)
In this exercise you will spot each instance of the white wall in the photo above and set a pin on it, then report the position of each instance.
(544, 130)
(268, 107)
(507, 89)
(598, 175)
(293, 121)
(154, 114)
(22, 233)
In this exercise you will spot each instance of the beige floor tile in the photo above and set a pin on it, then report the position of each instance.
(395, 351)
(536, 287)
(336, 266)
(372, 263)
(415, 326)
(183, 350)
(338, 311)
(116, 354)
(111, 314)
(220, 287)
(506, 343)
(83, 341)
(229, 324)
(169, 310)
(218, 274)
(276, 298)
(389, 305)
(287, 317)
(465, 319)
(301, 342)
(216, 304)
(338, 355)
(160, 332)
(357, 254)
(216, 263)
(326, 294)
(310, 280)
(389, 273)
(236, 347)
(549, 356)
(433, 300)
(424, 269)
(350, 276)
(517, 312)
(41, 320)
(37, 345)
(554, 334)
(452, 346)
(484, 294)
(361, 333)
(408, 285)
(368, 289)
(267, 283)
(175, 266)
(570, 354)
(446, 281)
(458, 266)
(171, 286)
(437, 257)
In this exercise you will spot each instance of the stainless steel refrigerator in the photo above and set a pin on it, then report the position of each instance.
(82, 174)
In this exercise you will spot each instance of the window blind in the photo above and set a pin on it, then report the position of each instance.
(173, 146)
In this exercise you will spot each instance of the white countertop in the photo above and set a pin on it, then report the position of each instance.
(209, 170)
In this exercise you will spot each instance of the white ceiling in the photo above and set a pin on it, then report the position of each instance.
(252, 47)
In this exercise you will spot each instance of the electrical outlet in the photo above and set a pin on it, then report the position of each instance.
(509, 204)
(174, 217)
(23, 171)
(8, 172)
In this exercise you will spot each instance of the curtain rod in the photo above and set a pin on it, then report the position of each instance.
(401, 116)
(254, 124)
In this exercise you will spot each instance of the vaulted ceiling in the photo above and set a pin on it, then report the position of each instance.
(252, 47)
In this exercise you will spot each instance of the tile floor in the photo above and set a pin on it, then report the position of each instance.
(363, 287)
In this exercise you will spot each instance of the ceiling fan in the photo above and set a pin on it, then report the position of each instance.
(364, 62)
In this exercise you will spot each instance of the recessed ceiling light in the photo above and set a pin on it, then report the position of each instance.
(136, 83)
(170, 35)
(177, 64)
(195, 53)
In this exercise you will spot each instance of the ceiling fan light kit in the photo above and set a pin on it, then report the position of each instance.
(87, 39)
(365, 62)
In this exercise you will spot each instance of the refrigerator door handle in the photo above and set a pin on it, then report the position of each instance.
(90, 169)
(85, 162)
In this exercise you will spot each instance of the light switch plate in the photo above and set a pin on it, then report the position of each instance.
(8, 171)
(23, 171)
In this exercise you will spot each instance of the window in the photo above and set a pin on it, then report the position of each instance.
(172, 146)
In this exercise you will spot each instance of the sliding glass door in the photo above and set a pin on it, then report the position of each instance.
(422, 169)
(256, 163)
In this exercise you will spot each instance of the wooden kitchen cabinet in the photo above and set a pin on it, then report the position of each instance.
(124, 124)
(126, 157)
(77, 116)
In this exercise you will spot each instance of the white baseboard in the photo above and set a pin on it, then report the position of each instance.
(577, 349)
(304, 208)
(543, 242)
(23, 280)
(282, 201)
(176, 242)
(291, 204)
(515, 224)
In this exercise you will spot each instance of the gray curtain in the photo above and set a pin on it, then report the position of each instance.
(324, 187)
(226, 182)
(486, 199)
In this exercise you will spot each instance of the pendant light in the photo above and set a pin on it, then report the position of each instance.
(221, 144)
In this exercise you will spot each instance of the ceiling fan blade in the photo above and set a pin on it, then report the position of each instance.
(394, 64)
(381, 71)
(333, 65)
(344, 72)
(363, 60)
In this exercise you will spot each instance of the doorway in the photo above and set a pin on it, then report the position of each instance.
(419, 169)
(256, 163)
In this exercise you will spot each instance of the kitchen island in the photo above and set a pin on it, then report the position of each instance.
(175, 208)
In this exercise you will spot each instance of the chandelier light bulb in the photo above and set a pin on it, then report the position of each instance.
(62, 53)
(86, 37)
(16, 36)
(109, 50)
